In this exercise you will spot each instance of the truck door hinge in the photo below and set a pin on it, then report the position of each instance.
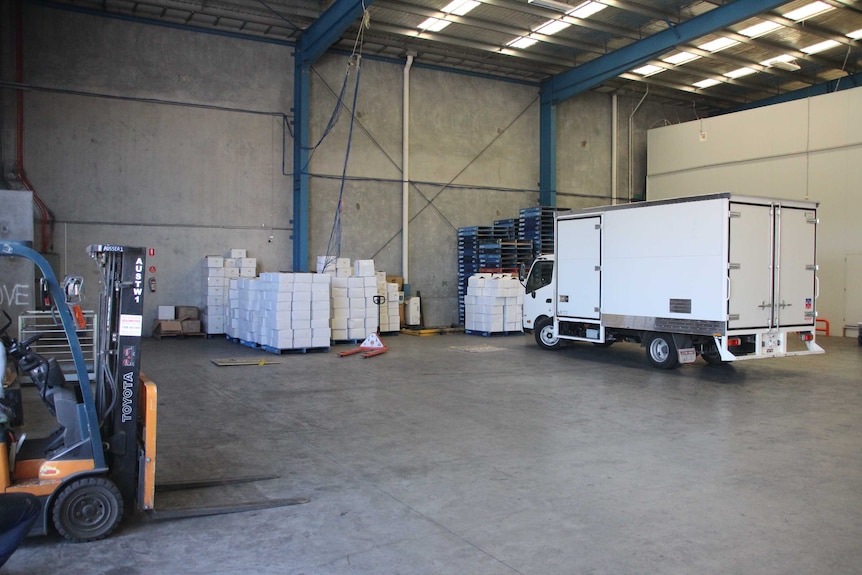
(814, 221)
(732, 316)
(812, 267)
(733, 266)
(734, 214)
(598, 226)
(598, 268)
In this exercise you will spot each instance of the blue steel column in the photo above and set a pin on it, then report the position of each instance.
(301, 108)
(313, 43)
(547, 150)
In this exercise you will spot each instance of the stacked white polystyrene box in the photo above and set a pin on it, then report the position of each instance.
(326, 265)
(493, 304)
(390, 319)
(293, 310)
(354, 313)
(215, 286)
(247, 312)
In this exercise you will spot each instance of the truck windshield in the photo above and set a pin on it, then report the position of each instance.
(540, 276)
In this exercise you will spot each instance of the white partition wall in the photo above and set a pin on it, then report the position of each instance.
(802, 150)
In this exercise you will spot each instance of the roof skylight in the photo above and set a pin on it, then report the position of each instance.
(456, 7)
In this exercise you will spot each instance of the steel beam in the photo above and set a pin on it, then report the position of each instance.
(313, 43)
(547, 154)
(577, 80)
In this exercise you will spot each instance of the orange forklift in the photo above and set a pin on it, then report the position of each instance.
(99, 461)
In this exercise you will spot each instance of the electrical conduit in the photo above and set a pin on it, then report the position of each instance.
(405, 176)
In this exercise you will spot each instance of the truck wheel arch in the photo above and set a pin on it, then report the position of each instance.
(543, 331)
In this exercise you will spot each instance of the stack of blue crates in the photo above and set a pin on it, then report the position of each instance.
(537, 225)
(479, 248)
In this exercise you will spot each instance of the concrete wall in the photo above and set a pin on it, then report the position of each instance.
(807, 149)
(186, 155)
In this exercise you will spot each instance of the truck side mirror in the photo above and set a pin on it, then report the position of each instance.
(522, 272)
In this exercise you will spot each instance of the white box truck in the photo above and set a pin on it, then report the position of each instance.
(722, 276)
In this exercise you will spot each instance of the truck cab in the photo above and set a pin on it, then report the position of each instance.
(539, 299)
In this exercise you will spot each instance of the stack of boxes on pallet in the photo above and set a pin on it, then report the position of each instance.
(494, 304)
(218, 273)
(355, 315)
(390, 317)
(292, 311)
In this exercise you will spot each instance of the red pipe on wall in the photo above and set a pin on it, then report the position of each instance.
(46, 217)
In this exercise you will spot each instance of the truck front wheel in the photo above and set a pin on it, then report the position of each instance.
(661, 350)
(544, 332)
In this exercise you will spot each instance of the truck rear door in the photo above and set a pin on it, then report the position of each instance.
(772, 266)
(578, 267)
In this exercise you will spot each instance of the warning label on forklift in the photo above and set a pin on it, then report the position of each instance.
(131, 325)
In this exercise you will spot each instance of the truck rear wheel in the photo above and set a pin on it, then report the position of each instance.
(544, 332)
(661, 350)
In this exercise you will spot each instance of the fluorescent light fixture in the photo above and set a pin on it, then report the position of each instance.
(783, 62)
(587, 9)
(708, 83)
(808, 11)
(552, 27)
(460, 7)
(648, 70)
(552, 5)
(718, 44)
(521, 42)
(856, 34)
(740, 72)
(760, 29)
(433, 24)
(821, 47)
(680, 58)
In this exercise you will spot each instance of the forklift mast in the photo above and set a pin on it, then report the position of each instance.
(118, 375)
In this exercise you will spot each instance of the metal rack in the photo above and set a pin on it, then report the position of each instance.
(54, 343)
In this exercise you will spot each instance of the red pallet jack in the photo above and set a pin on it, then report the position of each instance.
(371, 345)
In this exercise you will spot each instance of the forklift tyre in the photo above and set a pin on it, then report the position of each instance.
(88, 509)
(544, 334)
(661, 350)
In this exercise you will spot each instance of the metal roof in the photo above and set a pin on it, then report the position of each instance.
(784, 53)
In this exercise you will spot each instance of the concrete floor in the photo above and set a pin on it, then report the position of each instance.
(479, 456)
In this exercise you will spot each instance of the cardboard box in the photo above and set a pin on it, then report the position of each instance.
(191, 325)
(186, 312)
(167, 327)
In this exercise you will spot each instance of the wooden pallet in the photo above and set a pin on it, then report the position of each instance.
(492, 333)
(179, 334)
(230, 362)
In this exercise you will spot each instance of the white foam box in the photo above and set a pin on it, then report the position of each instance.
(339, 334)
(392, 308)
(302, 314)
(302, 297)
(303, 287)
(370, 282)
(325, 263)
(304, 333)
(317, 332)
(321, 289)
(342, 262)
(363, 268)
(321, 279)
(220, 281)
(214, 272)
(340, 303)
(354, 323)
(303, 278)
(357, 305)
(238, 253)
(247, 272)
(344, 273)
(340, 283)
(317, 314)
(230, 262)
(356, 333)
(214, 262)
(355, 282)
(167, 312)
(321, 304)
(339, 292)
(320, 323)
(246, 262)
(214, 290)
(372, 312)
(297, 323)
(370, 291)
(338, 323)
(322, 341)
(340, 313)
(214, 300)
(231, 272)
(356, 292)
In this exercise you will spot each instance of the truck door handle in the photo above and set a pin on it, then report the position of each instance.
(548, 300)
